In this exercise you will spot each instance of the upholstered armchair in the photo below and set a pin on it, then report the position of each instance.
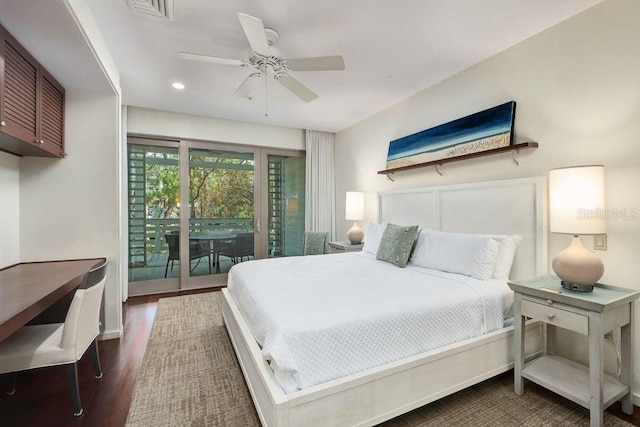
(314, 242)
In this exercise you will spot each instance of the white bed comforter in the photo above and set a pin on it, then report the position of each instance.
(319, 318)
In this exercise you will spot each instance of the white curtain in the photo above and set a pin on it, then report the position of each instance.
(320, 192)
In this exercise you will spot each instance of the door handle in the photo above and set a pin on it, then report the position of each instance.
(258, 225)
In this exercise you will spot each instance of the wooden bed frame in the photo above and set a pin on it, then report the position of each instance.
(378, 394)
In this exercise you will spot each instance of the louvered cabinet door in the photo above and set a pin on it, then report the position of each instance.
(51, 135)
(19, 91)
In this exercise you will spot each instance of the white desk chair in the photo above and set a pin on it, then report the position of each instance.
(56, 344)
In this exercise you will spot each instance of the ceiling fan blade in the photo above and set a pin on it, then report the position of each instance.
(320, 63)
(249, 85)
(207, 58)
(297, 88)
(254, 30)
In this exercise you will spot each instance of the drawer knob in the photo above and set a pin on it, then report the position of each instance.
(551, 316)
(2, 124)
(549, 302)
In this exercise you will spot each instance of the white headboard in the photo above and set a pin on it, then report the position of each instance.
(515, 206)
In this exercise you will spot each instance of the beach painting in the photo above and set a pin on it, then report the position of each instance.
(486, 130)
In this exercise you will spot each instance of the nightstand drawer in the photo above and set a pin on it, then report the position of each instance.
(344, 246)
(556, 316)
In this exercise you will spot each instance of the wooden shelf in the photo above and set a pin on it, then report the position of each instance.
(509, 148)
(571, 380)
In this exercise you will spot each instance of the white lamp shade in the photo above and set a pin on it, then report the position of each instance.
(576, 200)
(354, 209)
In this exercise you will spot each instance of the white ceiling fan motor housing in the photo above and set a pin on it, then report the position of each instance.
(272, 36)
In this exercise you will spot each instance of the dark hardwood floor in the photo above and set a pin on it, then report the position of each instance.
(42, 397)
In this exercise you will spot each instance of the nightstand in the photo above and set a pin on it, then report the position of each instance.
(590, 313)
(343, 246)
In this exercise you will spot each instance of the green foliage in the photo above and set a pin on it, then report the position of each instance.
(162, 191)
(214, 192)
(221, 193)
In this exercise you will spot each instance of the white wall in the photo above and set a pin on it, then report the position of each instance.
(9, 209)
(186, 126)
(577, 89)
(69, 207)
(87, 25)
(124, 206)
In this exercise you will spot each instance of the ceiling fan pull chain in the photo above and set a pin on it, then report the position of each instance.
(266, 98)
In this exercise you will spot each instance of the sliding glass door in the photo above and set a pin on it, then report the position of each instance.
(230, 191)
(154, 212)
(221, 210)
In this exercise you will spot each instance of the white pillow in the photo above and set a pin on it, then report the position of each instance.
(506, 254)
(469, 254)
(372, 237)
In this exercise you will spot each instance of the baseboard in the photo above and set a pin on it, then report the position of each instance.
(110, 335)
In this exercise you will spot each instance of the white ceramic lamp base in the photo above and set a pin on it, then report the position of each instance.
(577, 267)
(355, 234)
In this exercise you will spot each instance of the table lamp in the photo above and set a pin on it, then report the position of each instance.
(576, 203)
(354, 211)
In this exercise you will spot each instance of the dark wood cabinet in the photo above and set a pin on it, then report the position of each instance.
(31, 104)
(51, 114)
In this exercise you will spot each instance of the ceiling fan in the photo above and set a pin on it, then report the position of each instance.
(269, 63)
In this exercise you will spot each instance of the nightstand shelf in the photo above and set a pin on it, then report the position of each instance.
(571, 380)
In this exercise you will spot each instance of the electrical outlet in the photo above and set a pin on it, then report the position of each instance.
(600, 242)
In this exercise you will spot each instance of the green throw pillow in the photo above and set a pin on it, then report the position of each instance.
(395, 246)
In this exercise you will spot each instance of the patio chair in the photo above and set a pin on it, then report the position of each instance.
(241, 247)
(197, 250)
(314, 242)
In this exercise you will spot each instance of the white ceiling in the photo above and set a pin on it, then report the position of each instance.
(392, 50)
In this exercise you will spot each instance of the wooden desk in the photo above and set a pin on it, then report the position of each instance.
(26, 290)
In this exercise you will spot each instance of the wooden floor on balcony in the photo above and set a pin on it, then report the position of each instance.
(156, 264)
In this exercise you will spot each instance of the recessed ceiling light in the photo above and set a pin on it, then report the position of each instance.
(178, 85)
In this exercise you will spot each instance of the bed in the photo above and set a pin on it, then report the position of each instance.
(297, 378)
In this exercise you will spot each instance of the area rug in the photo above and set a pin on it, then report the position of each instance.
(190, 376)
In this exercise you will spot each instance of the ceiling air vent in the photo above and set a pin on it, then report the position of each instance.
(159, 8)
